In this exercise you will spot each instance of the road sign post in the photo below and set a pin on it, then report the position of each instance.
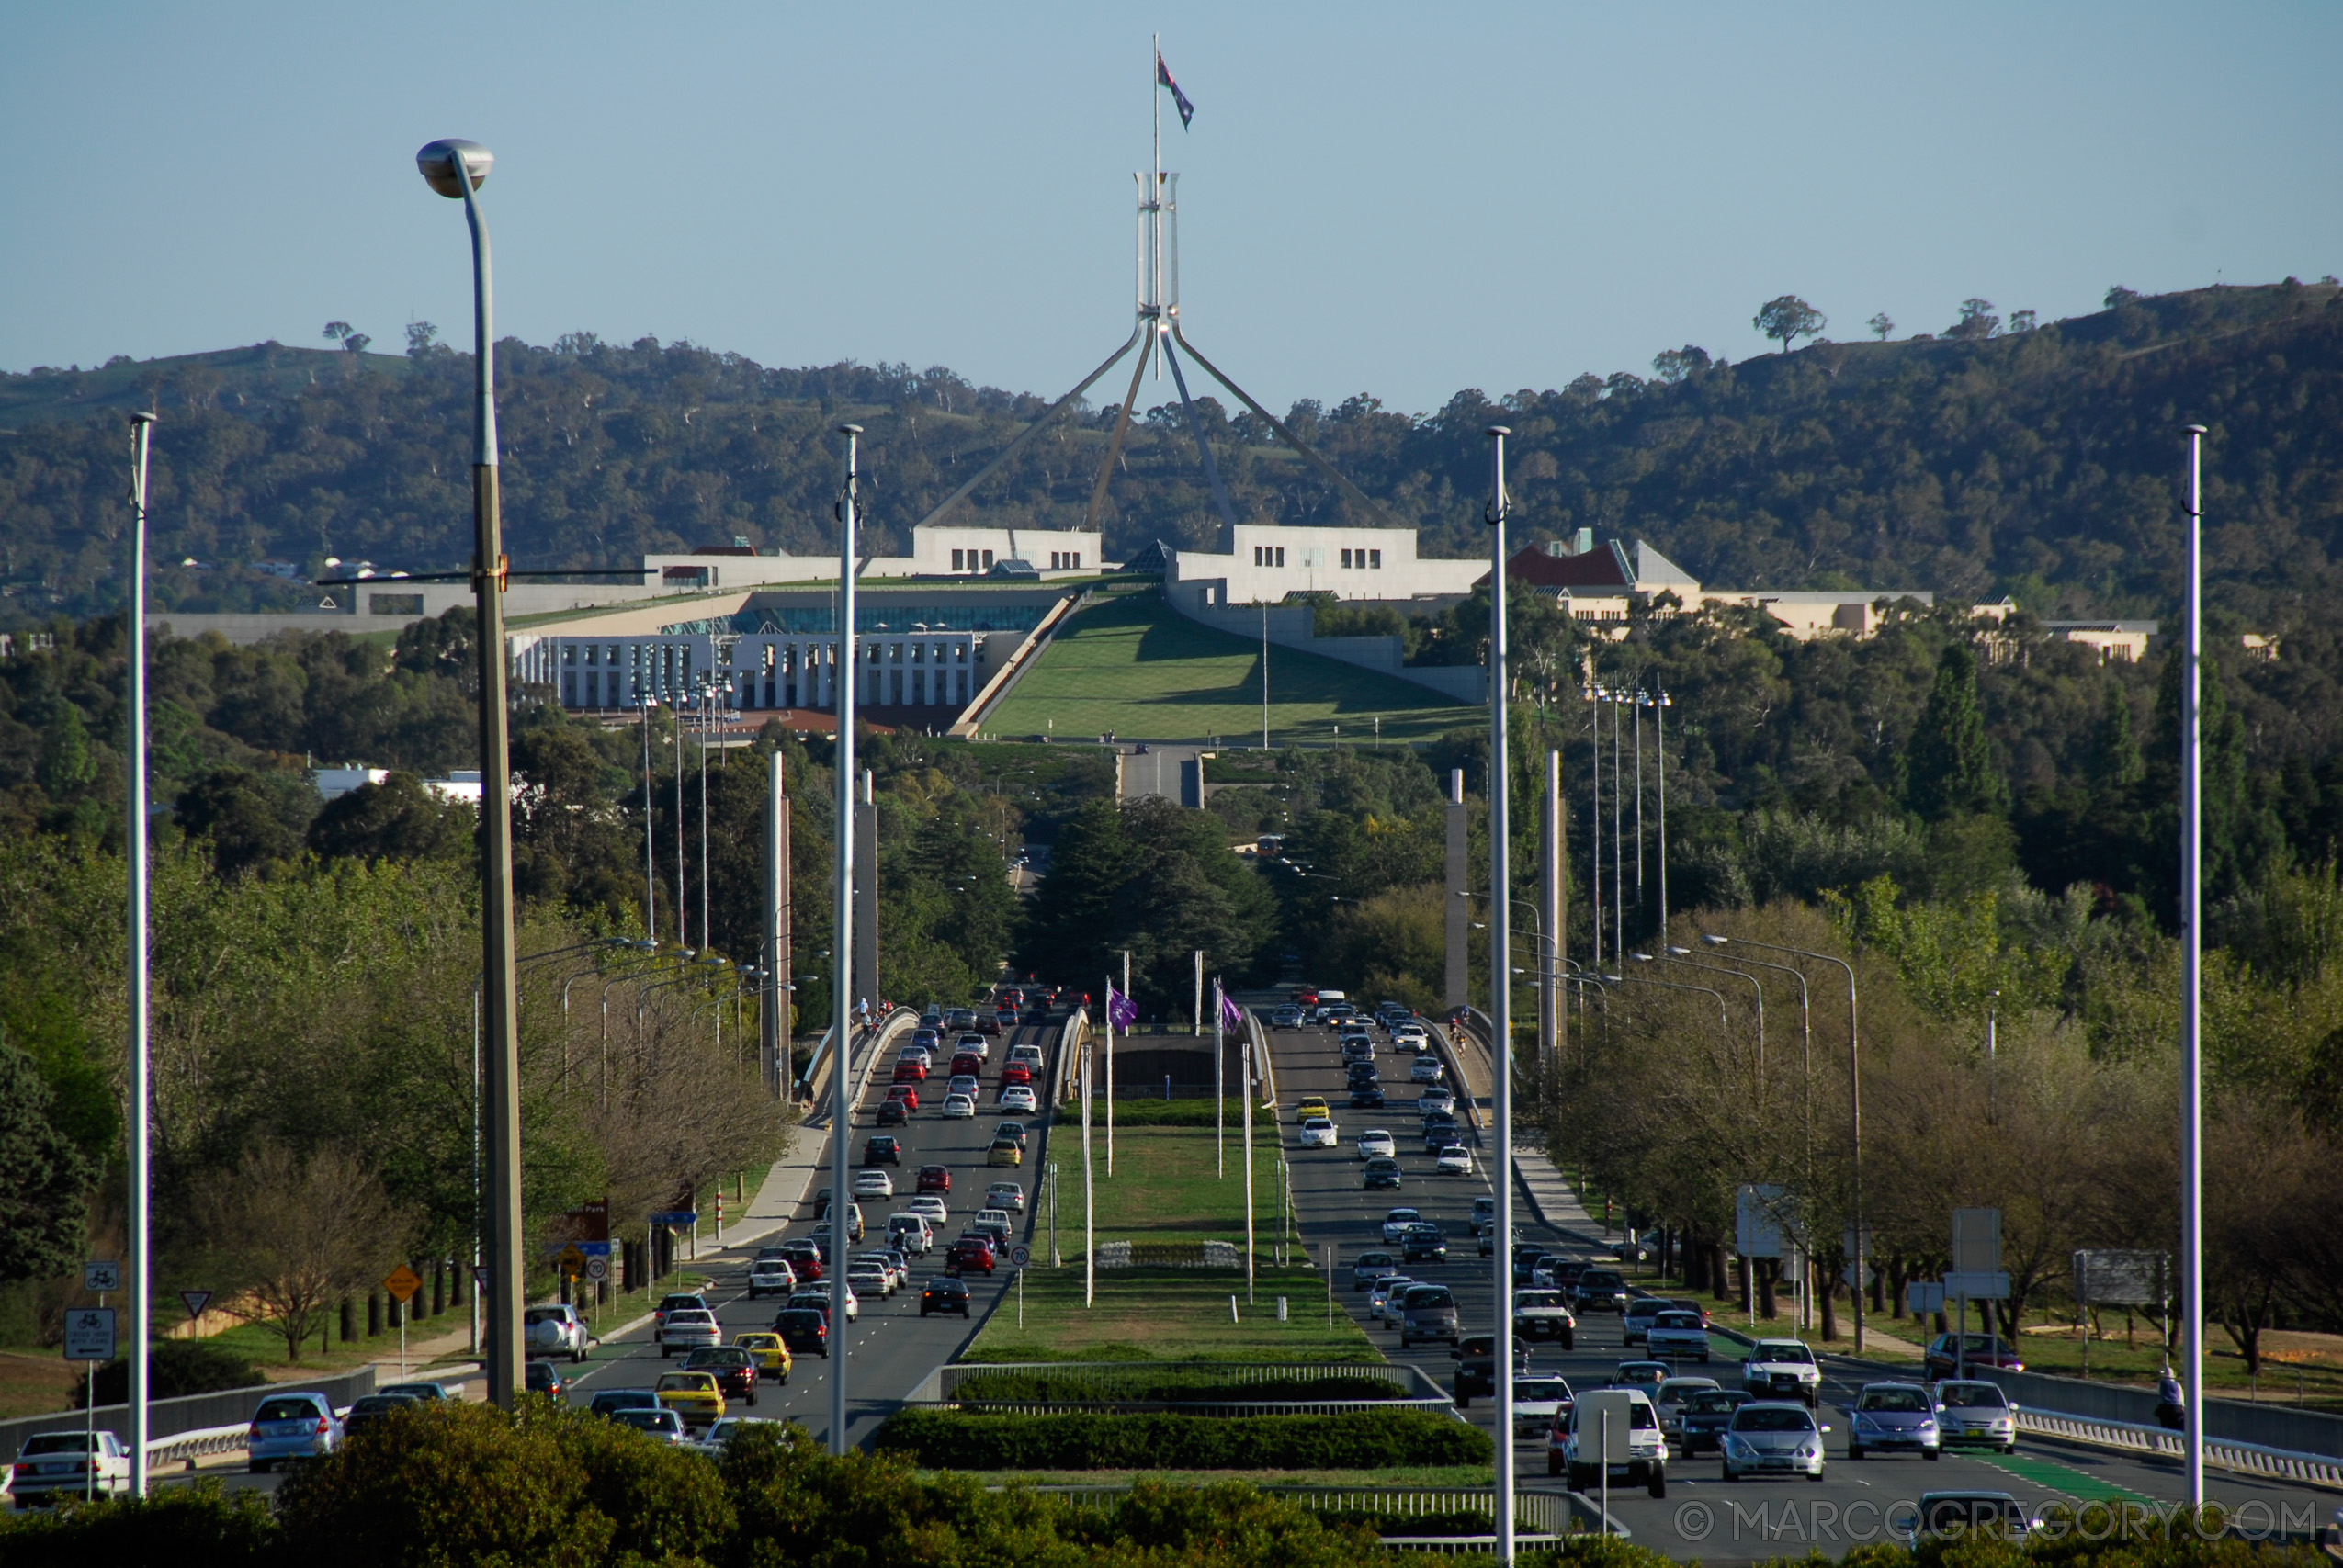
(1976, 1265)
(89, 1338)
(195, 1301)
(402, 1283)
(102, 1277)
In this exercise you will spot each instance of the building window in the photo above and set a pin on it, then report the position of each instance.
(1279, 551)
(568, 654)
(569, 689)
(988, 561)
(956, 560)
(1078, 561)
(1374, 560)
(1346, 560)
(1257, 555)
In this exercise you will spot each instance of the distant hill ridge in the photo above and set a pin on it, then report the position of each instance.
(2039, 463)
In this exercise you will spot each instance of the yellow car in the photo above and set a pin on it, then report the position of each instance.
(1004, 1151)
(693, 1395)
(1312, 1105)
(771, 1353)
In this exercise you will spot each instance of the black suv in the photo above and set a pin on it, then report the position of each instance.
(1477, 1366)
(1599, 1290)
(884, 1149)
(1423, 1244)
(1366, 1097)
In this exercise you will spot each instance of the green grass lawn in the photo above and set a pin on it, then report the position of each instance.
(1133, 665)
(1164, 1189)
(1431, 1475)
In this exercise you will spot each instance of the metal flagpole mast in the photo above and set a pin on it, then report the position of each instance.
(2192, 995)
(1549, 984)
(683, 933)
(1264, 674)
(1594, 823)
(1638, 722)
(1110, 1073)
(706, 713)
(650, 838)
(1089, 1194)
(1247, 1079)
(1219, 1092)
(841, 943)
(1660, 762)
(140, 1286)
(1618, 846)
(1196, 1019)
(1500, 1015)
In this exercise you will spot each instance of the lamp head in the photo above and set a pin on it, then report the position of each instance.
(1499, 430)
(1715, 941)
(1641, 957)
(1680, 952)
(438, 163)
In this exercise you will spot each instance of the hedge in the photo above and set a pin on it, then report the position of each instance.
(1168, 1387)
(953, 1440)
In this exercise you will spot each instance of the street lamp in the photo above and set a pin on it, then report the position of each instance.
(457, 169)
(1500, 1011)
(141, 1286)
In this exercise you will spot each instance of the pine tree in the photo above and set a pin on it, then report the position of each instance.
(1949, 766)
(44, 1178)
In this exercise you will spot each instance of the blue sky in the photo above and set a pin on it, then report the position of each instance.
(1402, 200)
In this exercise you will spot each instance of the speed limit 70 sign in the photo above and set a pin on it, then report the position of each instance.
(1019, 1255)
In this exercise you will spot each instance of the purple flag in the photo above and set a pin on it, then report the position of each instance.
(1121, 1012)
(1180, 99)
(1231, 1015)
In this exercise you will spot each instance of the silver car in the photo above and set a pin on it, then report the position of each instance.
(687, 1329)
(1976, 1413)
(1888, 1417)
(292, 1426)
(1773, 1438)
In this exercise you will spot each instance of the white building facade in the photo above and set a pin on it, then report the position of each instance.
(1271, 560)
(762, 669)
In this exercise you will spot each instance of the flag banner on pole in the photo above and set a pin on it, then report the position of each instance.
(1231, 1015)
(1121, 1012)
(1163, 78)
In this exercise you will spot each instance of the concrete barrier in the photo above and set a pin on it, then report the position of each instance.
(2264, 1425)
(190, 1413)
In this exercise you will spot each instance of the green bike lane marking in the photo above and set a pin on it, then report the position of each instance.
(2081, 1485)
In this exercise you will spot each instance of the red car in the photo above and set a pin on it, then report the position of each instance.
(990, 1023)
(1013, 997)
(969, 1252)
(967, 1062)
(805, 1260)
(904, 1094)
(911, 1072)
(934, 1179)
(1016, 1072)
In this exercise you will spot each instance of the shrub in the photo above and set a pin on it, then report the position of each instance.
(1169, 1387)
(180, 1526)
(1368, 1440)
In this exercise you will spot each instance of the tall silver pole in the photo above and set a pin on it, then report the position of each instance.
(1618, 837)
(780, 981)
(707, 706)
(2192, 957)
(1501, 946)
(1196, 1017)
(1246, 1110)
(140, 1286)
(683, 906)
(1219, 1092)
(1110, 1073)
(1638, 721)
(1089, 1192)
(1264, 674)
(1659, 761)
(1549, 997)
(841, 943)
(1594, 823)
(650, 837)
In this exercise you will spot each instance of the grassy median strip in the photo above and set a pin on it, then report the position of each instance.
(1367, 1440)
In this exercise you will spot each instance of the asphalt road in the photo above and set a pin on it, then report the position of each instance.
(889, 1348)
(1701, 1516)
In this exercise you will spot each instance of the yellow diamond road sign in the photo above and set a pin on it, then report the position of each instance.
(402, 1283)
(572, 1260)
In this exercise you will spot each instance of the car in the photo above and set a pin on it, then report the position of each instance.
(873, 1182)
(1004, 1151)
(1972, 1413)
(883, 1149)
(911, 1072)
(963, 1083)
(911, 1231)
(554, 1330)
(1303, 995)
(1369, 1267)
(1016, 1075)
(695, 1396)
(1543, 1315)
(1376, 1144)
(854, 1213)
(1395, 1223)
(957, 1018)
(904, 1094)
(291, 1427)
(1782, 1369)
(661, 1425)
(1439, 1132)
(1954, 1515)
(374, 1409)
(1700, 1421)
(804, 1330)
(973, 1040)
(1980, 1352)
(1012, 1129)
(1318, 1132)
(1527, 1256)
(735, 1369)
(1890, 1417)
(1006, 1018)
(1475, 1357)
(1580, 1443)
(687, 1331)
(1410, 1036)
(771, 1277)
(1422, 1244)
(428, 1391)
(1284, 1015)
(769, 1350)
(915, 1052)
(1599, 1290)
(1436, 1100)
(69, 1464)
(1647, 1375)
(805, 1262)
(1424, 1070)
(1773, 1436)
(928, 1206)
(1453, 1159)
(990, 1023)
(1676, 1334)
(934, 1179)
(929, 1035)
(967, 1064)
(1426, 1313)
(958, 1107)
(874, 1276)
(993, 1226)
(897, 1262)
(1311, 1105)
(1366, 1097)
(1538, 1403)
(1638, 1316)
(945, 1293)
(1672, 1392)
(1005, 1195)
(1028, 1056)
(1361, 1075)
(674, 1301)
(1383, 1297)
(893, 1114)
(719, 1433)
(610, 1401)
(1020, 1097)
(818, 1299)
(1484, 1215)
(969, 1252)
(1381, 1174)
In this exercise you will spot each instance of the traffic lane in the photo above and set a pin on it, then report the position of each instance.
(889, 1347)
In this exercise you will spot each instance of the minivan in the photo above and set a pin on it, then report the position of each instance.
(1426, 1311)
(1609, 1430)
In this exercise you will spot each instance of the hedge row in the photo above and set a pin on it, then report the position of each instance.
(1181, 1388)
(1365, 1441)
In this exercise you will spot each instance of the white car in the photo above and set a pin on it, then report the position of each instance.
(1376, 1144)
(1383, 1297)
(1019, 1097)
(972, 1041)
(687, 1329)
(1670, 1399)
(718, 1433)
(928, 1207)
(958, 1107)
(1454, 1160)
(817, 1295)
(1675, 1334)
(1435, 1100)
(1026, 1056)
(1396, 1223)
(771, 1277)
(1782, 1369)
(872, 1275)
(1773, 1438)
(873, 1182)
(1318, 1132)
(915, 1053)
(1424, 1070)
(911, 1231)
(555, 1331)
(1411, 1037)
(1536, 1402)
(1005, 1195)
(59, 1464)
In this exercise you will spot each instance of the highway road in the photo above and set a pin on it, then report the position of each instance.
(1701, 1516)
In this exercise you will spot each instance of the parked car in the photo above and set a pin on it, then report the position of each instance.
(69, 1464)
(1771, 1437)
(1972, 1413)
(1782, 1369)
(1575, 1444)
(554, 1330)
(1981, 1352)
(1890, 1417)
(946, 1294)
(292, 1426)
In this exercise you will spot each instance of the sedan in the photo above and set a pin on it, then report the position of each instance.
(695, 1396)
(768, 1350)
(883, 1150)
(1453, 1159)
(893, 1114)
(871, 1182)
(1381, 1174)
(969, 1252)
(928, 1207)
(805, 1330)
(687, 1331)
(1677, 1333)
(735, 1369)
(1020, 1097)
(1436, 1100)
(1773, 1438)
(1376, 1144)
(1423, 1244)
(1286, 1015)
(1395, 1223)
(1700, 1422)
(945, 1295)
(932, 1179)
(1889, 1416)
(1383, 1297)
(905, 1095)
(818, 1300)
(661, 1424)
(911, 1072)
(1016, 1073)
(1369, 1267)
(1004, 1151)
(1318, 1132)
(874, 1277)
(958, 1107)
(1015, 1130)
(1366, 1097)
(1425, 1070)
(1947, 1352)
(1975, 1413)
(1005, 1195)
(771, 1277)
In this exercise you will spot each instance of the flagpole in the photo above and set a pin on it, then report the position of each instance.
(1110, 1076)
(1220, 1093)
(1090, 1196)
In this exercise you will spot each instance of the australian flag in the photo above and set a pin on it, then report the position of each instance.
(1232, 1017)
(1163, 78)
(1121, 1012)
